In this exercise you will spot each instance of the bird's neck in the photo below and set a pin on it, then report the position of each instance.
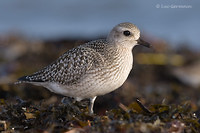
(119, 51)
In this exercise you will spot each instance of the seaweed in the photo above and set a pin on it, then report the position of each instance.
(25, 116)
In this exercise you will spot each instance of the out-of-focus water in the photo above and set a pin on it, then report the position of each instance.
(176, 21)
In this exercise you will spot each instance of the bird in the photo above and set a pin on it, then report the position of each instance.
(92, 69)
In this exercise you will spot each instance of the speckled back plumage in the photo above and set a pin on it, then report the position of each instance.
(72, 65)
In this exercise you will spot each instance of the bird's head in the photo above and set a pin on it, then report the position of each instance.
(126, 34)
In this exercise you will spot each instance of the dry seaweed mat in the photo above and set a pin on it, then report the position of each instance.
(69, 117)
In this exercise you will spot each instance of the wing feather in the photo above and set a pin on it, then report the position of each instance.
(68, 68)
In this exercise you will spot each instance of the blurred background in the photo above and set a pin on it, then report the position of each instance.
(35, 33)
(176, 21)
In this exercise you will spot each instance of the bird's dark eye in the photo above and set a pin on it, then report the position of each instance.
(127, 33)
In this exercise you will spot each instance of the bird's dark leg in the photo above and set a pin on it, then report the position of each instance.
(91, 105)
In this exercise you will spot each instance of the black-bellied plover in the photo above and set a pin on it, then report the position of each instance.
(92, 69)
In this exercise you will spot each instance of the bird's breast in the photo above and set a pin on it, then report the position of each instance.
(114, 72)
(121, 66)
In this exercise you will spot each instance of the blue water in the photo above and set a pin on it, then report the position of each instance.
(48, 19)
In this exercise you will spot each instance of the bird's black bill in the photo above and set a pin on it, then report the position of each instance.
(142, 42)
